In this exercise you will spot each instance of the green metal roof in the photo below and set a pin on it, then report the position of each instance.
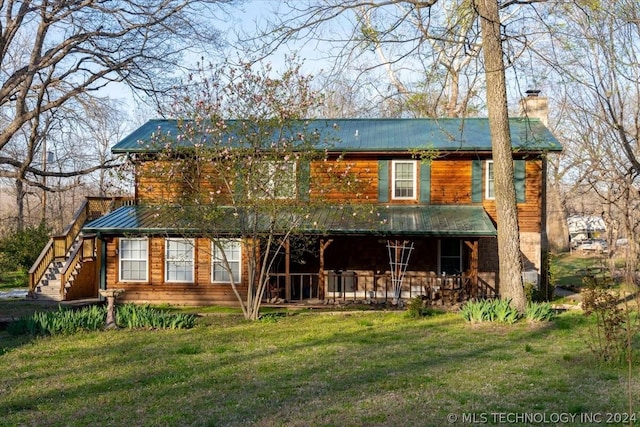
(376, 135)
(421, 220)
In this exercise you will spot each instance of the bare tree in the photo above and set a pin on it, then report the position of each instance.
(59, 54)
(446, 33)
(595, 52)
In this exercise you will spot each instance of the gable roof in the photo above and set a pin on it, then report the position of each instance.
(380, 135)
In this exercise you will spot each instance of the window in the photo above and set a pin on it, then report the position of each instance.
(133, 260)
(179, 254)
(231, 250)
(274, 180)
(489, 189)
(450, 256)
(404, 180)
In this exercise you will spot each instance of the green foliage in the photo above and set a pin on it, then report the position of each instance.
(416, 309)
(67, 321)
(134, 316)
(500, 310)
(272, 317)
(61, 322)
(539, 312)
(504, 312)
(478, 311)
(13, 279)
(18, 251)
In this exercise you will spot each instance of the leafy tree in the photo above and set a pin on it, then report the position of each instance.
(17, 249)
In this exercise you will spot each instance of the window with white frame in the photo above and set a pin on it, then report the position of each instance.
(134, 260)
(179, 256)
(274, 180)
(489, 189)
(450, 256)
(226, 258)
(404, 179)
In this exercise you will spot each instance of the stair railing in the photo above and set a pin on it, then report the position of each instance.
(58, 246)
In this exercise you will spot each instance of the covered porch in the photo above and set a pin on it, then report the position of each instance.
(352, 260)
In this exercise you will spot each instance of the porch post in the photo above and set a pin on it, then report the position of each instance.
(473, 267)
(287, 271)
(323, 245)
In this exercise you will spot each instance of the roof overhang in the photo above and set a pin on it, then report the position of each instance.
(352, 220)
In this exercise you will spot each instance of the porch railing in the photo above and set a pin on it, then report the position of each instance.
(375, 286)
(59, 246)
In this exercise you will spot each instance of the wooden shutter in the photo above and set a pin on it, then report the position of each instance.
(383, 181)
(425, 182)
(519, 175)
(476, 181)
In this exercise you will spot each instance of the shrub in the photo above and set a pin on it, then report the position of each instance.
(17, 249)
(416, 309)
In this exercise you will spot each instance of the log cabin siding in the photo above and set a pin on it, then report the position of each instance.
(157, 290)
(529, 212)
(157, 182)
(451, 182)
(328, 182)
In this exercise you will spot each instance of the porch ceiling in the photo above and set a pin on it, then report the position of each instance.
(365, 220)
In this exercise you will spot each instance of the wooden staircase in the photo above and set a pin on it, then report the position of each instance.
(62, 259)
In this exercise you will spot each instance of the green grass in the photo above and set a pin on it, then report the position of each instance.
(13, 280)
(356, 369)
(567, 265)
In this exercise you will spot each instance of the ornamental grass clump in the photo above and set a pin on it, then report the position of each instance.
(65, 321)
(475, 311)
(539, 312)
(504, 312)
(134, 316)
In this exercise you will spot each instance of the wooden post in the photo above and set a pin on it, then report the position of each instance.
(287, 270)
(473, 267)
(323, 245)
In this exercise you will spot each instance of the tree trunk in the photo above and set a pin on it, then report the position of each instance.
(19, 205)
(510, 261)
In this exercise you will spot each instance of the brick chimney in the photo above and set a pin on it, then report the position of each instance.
(535, 106)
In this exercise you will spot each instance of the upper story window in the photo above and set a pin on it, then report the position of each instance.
(489, 189)
(403, 174)
(179, 255)
(227, 257)
(134, 260)
(274, 180)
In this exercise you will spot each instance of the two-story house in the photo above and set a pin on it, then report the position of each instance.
(434, 220)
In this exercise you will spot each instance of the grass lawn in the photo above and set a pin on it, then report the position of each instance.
(13, 280)
(344, 369)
